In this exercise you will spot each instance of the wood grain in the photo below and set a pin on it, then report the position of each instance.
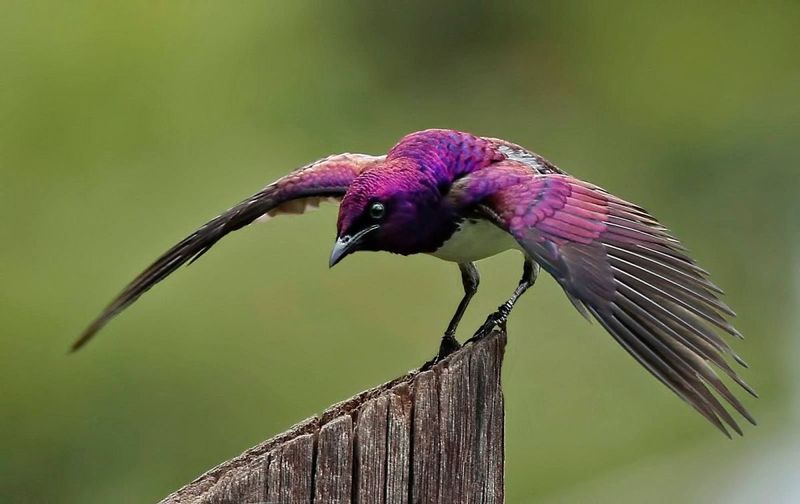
(432, 436)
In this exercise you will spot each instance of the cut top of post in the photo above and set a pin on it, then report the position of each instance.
(428, 436)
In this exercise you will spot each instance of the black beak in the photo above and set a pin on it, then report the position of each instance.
(346, 245)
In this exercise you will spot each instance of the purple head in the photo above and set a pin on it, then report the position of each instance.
(399, 205)
(392, 206)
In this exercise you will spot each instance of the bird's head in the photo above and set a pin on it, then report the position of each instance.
(389, 208)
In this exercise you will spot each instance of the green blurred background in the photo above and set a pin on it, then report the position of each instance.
(123, 127)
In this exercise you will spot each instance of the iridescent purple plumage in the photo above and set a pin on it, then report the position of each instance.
(462, 197)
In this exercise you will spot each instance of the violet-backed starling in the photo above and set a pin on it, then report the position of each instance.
(461, 198)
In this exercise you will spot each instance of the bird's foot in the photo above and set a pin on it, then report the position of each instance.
(448, 345)
(497, 319)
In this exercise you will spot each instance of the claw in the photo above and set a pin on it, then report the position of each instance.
(502, 325)
(496, 319)
(448, 345)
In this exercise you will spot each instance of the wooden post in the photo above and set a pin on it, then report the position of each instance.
(432, 436)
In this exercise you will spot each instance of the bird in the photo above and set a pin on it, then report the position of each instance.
(461, 198)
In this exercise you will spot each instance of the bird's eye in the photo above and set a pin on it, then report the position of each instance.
(377, 210)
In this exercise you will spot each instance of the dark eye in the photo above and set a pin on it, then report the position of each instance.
(377, 210)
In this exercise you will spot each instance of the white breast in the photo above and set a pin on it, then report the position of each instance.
(474, 240)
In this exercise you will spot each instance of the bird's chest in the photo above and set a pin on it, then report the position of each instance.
(472, 240)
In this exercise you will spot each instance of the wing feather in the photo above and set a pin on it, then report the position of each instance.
(618, 263)
(293, 193)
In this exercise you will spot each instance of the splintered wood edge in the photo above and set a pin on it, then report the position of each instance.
(257, 456)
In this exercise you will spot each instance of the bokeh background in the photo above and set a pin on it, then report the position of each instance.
(124, 126)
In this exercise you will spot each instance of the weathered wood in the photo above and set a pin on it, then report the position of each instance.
(433, 436)
(425, 450)
(291, 470)
(334, 469)
(398, 445)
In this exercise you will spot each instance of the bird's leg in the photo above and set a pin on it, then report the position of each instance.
(470, 280)
(498, 319)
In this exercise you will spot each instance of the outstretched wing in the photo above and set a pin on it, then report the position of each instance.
(293, 193)
(617, 263)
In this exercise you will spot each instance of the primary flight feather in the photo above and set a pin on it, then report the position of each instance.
(461, 198)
